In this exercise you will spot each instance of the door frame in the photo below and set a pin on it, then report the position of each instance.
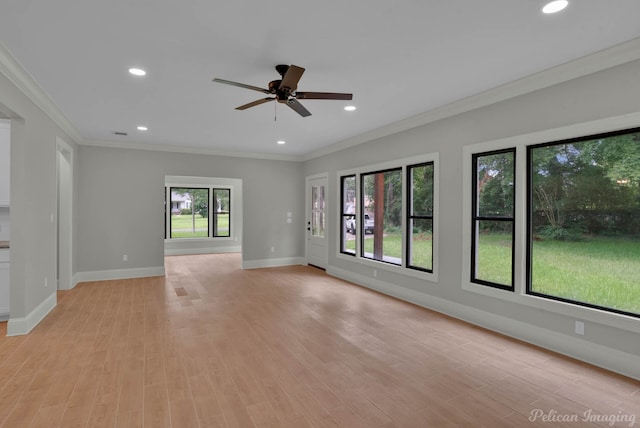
(307, 191)
(64, 214)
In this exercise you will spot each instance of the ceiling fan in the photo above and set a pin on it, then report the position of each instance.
(284, 90)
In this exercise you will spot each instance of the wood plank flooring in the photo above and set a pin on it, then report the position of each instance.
(211, 345)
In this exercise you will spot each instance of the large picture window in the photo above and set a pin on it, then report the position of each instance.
(584, 221)
(420, 217)
(492, 229)
(381, 221)
(197, 212)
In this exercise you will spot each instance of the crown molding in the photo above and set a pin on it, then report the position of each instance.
(187, 150)
(616, 55)
(18, 75)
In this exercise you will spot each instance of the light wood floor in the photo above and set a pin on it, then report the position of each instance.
(212, 345)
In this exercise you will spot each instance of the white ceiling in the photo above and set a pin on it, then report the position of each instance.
(399, 59)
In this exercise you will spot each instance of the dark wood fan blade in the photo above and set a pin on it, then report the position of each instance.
(291, 78)
(242, 85)
(298, 108)
(323, 96)
(255, 103)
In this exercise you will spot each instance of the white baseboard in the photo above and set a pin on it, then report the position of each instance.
(19, 326)
(105, 275)
(204, 250)
(289, 261)
(74, 282)
(611, 359)
(4, 314)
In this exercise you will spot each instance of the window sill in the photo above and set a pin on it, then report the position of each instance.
(572, 310)
(218, 238)
(388, 267)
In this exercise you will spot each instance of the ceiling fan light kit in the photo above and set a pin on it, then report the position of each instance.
(284, 90)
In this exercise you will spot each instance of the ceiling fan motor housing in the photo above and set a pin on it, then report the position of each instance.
(282, 95)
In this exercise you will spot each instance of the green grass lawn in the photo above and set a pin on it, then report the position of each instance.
(392, 247)
(600, 271)
(182, 226)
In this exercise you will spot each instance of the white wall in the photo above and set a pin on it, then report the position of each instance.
(33, 202)
(120, 206)
(613, 92)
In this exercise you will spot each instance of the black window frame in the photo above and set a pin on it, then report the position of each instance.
(344, 216)
(362, 217)
(213, 213)
(208, 209)
(410, 216)
(476, 218)
(529, 220)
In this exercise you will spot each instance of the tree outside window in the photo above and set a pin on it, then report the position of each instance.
(420, 217)
(584, 228)
(493, 219)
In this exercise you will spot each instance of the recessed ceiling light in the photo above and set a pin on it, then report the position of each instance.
(137, 71)
(350, 108)
(555, 6)
(281, 142)
(142, 128)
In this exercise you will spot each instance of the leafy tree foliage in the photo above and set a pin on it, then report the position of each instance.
(495, 187)
(392, 196)
(587, 187)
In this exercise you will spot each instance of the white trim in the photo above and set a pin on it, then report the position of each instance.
(267, 263)
(18, 75)
(5, 147)
(616, 55)
(65, 257)
(203, 250)
(611, 359)
(106, 275)
(75, 280)
(519, 295)
(132, 145)
(20, 326)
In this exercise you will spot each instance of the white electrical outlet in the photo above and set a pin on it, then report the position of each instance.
(46, 281)
(125, 258)
(273, 249)
(580, 328)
